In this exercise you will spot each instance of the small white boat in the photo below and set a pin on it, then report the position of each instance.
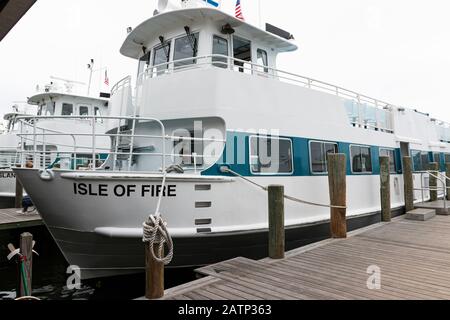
(210, 100)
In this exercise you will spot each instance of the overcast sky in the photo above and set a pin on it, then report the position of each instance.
(394, 50)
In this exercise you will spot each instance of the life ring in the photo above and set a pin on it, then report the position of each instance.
(47, 175)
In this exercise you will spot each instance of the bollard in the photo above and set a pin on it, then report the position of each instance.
(276, 222)
(447, 173)
(409, 184)
(26, 251)
(338, 194)
(19, 194)
(434, 168)
(154, 274)
(385, 189)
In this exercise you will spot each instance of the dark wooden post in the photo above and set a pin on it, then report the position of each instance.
(434, 168)
(26, 250)
(385, 188)
(409, 184)
(276, 222)
(19, 194)
(337, 175)
(154, 275)
(447, 173)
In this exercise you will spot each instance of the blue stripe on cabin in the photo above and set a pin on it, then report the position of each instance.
(240, 142)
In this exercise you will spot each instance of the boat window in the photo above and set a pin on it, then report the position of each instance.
(242, 50)
(84, 111)
(50, 109)
(161, 55)
(220, 47)
(186, 47)
(263, 60)
(97, 111)
(319, 152)
(271, 155)
(144, 63)
(447, 158)
(420, 160)
(67, 109)
(391, 154)
(437, 157)
(361, 159)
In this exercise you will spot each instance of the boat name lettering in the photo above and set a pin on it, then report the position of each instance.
(121, 191)
(7, 175)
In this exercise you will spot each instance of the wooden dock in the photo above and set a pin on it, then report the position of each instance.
(413, 258)
(15, 219)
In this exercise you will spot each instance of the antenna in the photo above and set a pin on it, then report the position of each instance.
(91, 68)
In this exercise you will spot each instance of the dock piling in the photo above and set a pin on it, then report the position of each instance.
(385, 189)
(26, 251)
(434, 168)
(154, 274)
(19, 194)
(337, 175)
(409, 184)
(276, 222)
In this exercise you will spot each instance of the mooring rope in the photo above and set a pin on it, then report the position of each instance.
(156, 232)
(294, 199)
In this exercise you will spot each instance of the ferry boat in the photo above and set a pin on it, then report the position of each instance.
(9, 156)
(210, 105)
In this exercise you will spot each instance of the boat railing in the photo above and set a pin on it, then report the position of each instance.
(443, 187)
(380, 121)
(39, 143)
(9, 157)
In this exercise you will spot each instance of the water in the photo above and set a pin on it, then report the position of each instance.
(49, 274)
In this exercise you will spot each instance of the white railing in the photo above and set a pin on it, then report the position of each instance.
(36, 142)
(439, 176)
(382, 110)
(8, 158)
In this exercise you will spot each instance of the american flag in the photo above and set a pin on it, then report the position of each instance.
(238, 11)
(106, 78)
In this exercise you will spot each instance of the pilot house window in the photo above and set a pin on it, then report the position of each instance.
(84, 111)
(242, 50)
(319, 155)
(263, 60)
(361, 159)
(220, 47)
(186, 47)
(67, 109)
(271, 155)
(161, 57)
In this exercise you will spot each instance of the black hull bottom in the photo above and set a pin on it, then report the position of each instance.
(99, 257)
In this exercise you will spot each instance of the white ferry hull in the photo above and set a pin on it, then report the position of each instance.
(103, 238)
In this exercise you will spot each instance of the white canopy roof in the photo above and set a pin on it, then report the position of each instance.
(38, 98)
(159, 24)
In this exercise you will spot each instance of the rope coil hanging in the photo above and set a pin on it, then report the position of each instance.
(156, 232)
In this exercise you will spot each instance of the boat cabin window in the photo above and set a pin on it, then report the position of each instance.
(361, 159)
(242, 50)
(421, 160)
(220, 47)
(392, 162)
(437, 158)
(161, 58)
(319, 152)
(447, 158)
(271, 155)
(97, 111)
(186, 47)
(67, 109)
(84, 111)
(263, 60)
(47, 109)
(144, 63)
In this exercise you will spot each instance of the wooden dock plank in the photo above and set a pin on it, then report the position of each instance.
(413, 258)
(14, 219)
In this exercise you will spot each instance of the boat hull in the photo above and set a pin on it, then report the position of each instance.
(103, 236)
